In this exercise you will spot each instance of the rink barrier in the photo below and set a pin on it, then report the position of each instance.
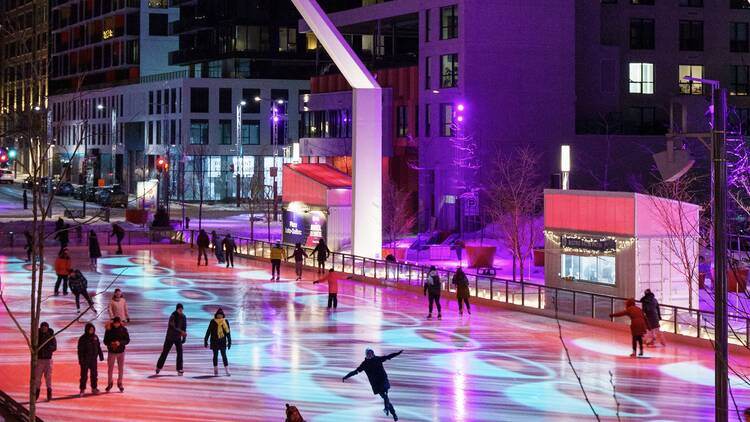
(695, 323)
(678, 320)
(11, 410)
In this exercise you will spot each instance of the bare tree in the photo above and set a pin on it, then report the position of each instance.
(398, 215)
(672, 203)
(515, 189)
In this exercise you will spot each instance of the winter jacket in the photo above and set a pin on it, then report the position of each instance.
(62, 236)
(229, 246)
(177, 324)
(62, 266)
(299, 254)
(462, 285)
(278, 253)
(119, 308)
(77, 282)
(119, 334)
(89, 348)
(216, 342)
(432, 284)
(332, 278)
(637, 319)
(94, 250)
(651, 310)
(375, 372)
(203, 240)
(321, 251)
(46, 351)
(215, 240)
(117, 231)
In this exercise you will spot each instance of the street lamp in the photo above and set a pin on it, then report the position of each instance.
(276, 118)
(719, 176)
(240, 152)
(565, 166)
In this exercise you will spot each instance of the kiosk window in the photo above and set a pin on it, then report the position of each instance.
(597, 269)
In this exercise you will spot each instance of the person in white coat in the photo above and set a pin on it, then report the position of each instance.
(118, 307)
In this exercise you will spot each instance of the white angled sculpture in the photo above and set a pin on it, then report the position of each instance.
(367, 131)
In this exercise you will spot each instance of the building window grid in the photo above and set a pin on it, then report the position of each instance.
(641, 79)
(691, 35)
(739, 80)
(689, 87)
(449, 22)
(225, 132)
(446, 120)
(642, 36)
(739, 41)
(402, 121)
(251, 132)
(199, 132)
(691, 3)
(449, 71)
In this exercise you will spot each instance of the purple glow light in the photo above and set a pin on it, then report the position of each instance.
(275, 119)
(460, 118)
(461, 107)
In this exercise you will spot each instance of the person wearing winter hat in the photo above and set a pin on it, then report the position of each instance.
(638, 325)
(432, 287)
(116, 337)
(221, 340)
(48, 345)
(373, 368)
(118, 307)
(89, 348)
(176, 336)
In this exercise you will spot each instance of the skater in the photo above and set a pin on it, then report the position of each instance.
(277, 254)
(29, 244)
(653, 316)
(299, 255)
(229, 248)
(79, 287)
(25, 200)
(293, 414)
(462, 291)
(203, 243)
(176, 336)
(373, 367)
(187, 223)
(116, 337)
(95, 252)
(62, 236)
(218, 250)
(221, 340)
(432, 289)
(62, 269)
(59, 224)
(118, 307)
(119, 233)
(332, 278)
(322, 252)
(637, 323)
(48, 344)
(460, 245)
(89, 348)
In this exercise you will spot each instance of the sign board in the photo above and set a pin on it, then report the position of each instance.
(471, 204)
(304, 227)
(588, 244)
(146, 193)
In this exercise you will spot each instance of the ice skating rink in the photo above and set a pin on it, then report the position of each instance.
(495, 365)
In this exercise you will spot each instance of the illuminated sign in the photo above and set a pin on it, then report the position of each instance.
(304, 227)
(107, 34)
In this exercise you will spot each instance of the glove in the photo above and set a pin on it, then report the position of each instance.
(205, 345)
(343, 379)
(184, 339)
(229, 346)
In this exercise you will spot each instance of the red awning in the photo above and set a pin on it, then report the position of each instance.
(323, 174)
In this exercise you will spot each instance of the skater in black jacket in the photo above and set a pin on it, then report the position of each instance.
(176, 336)
(89, 348)
(373, 367)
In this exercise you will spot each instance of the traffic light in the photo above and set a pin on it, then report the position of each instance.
(3, 156)
(162, 164)
(12, 153)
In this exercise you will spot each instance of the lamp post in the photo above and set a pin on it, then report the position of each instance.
(240, 152)
(276, 118)
(113, 142)
(719, 176)
(565, 166)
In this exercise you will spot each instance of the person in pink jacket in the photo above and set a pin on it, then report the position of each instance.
(332, 278)
(118, 307)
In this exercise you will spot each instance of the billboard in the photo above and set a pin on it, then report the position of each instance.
(304, 227)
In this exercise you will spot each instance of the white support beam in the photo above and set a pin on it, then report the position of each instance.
(367, 131)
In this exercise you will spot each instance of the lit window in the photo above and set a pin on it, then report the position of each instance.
(449, 71)
(690, 87)
(446, 120)
(287, 39)
(739, 83)
(641, 78)
(593, 268)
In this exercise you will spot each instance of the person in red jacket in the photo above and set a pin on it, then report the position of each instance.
(638, 327)
(332, 278)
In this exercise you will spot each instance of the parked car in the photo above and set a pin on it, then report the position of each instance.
(6, 176)
(29, 182)
(90, 194)
(64, 189)
(78, 192)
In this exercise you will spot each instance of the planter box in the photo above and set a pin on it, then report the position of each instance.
(136, 216)
(481, 256)
(440, 253)
(539, 257)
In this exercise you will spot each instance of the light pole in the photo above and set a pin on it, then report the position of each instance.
(565, 166)
(240, 152)
(113, 141)
(719, 176)
(276, 118)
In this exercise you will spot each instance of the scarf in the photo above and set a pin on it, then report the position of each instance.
(221, 327)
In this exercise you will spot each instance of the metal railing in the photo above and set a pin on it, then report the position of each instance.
(11, 410)
(675, 319)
